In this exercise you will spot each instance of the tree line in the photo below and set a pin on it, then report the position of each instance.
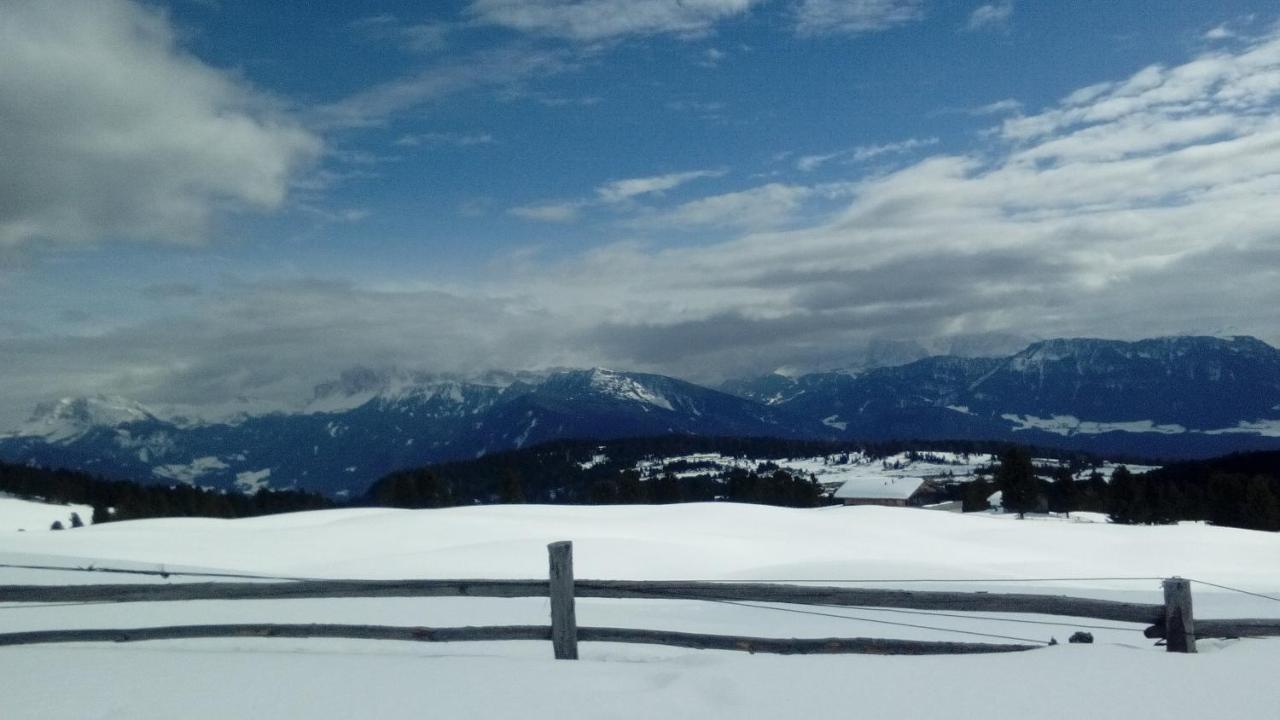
(1241, 490)
(127, 500)
(1237, 491)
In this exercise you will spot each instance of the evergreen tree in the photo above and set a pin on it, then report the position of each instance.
(1064, 496)
(1261, 506)
(512, 490)
(1128, 496)
(976, 494)
(631, 490)
(1016, 479)
(76, 521)
(666, 489)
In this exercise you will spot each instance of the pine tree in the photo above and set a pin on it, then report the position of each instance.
(1128, 497)
(975, 496)
(1065, 496)
(512, 490)
(1016, 479)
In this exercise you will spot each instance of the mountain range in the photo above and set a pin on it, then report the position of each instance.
(1177, 397)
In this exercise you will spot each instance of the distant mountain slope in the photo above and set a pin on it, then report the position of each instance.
(1181, 397)
(366, 425)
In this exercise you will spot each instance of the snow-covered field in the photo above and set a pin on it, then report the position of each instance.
(1120, 676)
(28, 515)
(859, 475)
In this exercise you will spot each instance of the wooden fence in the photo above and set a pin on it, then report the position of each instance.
(1173, 620)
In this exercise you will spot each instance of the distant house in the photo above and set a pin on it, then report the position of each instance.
(888, 491)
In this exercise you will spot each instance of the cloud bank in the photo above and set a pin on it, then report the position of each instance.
(110, 130)
(1137, 207)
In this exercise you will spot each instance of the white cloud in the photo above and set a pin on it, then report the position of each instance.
(760, 207)
(499, 69)
(855, 16)
(712, 57)
(991, 16)
(111, 130)
(558, 212)
(863, 153)
(1221, 32)
(445, 138)
(999, 107)
(611, 193)
(589, 20)
(274, 342)
(421, 37)
(1137, 207)
(1117, 212)
(620, 190)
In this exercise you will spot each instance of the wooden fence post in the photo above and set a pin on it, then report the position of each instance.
(1179, 622)
(564, 623)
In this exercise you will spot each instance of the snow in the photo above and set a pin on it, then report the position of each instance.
(252, 481)
(1107, 469)
(597, 459)
(337, 402)
(855, 474)
(834, 421)
(1121, 676)
(28, 515)
(1266, 428)
(192, 471)
(524, 436)
(1071, 425)
(70, 418)
(620, 386)
(876, 487)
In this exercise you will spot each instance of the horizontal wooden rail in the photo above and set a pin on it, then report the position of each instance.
(1242, 627)
(260, 630)
(784, 646)
(866, 597)
(792, 646)
(669, 590)
(291, 590)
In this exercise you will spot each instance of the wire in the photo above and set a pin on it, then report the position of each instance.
(1233, 589)
(881, 622)
(988, 619)
(29, 606)
(886, 581)
(883, 581)
(160, 573)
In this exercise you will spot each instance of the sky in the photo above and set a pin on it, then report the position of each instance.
(207, 202)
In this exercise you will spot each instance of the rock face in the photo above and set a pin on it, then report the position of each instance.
(1169, 397)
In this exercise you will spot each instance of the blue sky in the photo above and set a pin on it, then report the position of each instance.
(219, 199)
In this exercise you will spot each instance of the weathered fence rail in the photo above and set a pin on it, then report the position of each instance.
(1241, 628)
(619, 589)
(1172, 620)
(784, 646)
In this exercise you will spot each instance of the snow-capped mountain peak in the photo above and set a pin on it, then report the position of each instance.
(626, 387)
(70, 418)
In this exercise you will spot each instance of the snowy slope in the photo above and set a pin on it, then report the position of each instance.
(1121, 677)
(26, 515)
